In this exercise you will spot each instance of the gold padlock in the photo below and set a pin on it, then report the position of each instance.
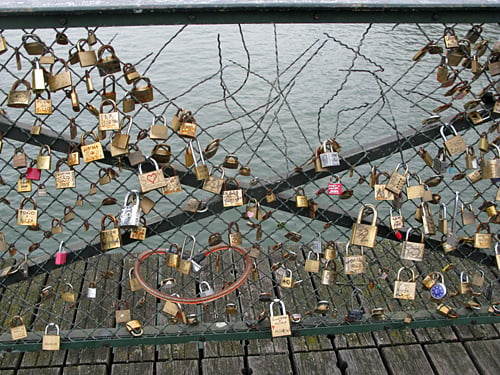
(51, 342)
(280, 324)
(427, 219)
(232, 197)
(17, 328)
(109, 120)
(287, 279)
(405, 289)
(60, 80)
(19, 98)
(200, 170)
(235, 238)
(397, 180)
(312, 265)
(130, 73)
(185, 265)
(330, 250)
(300, 198)
(454, 145)
(91, 152)
(3, 44)
(86, 58)
(69, 215)
(483, 240)
(152, 180)
(188, 125)
(44, 161)
(413, 250)
(27, 217)
(465, 284)
(173, 254)
(64, 179)
(139, 232)
(365, 234)
(212, 183)
(380, 190)
(24, 185)
(110, 238)
(122, 311)
(109, 89)
(33, 44)
(354, 264)
(56, 226)
(142, 94)
(157, 131)
(38, 78)
(450, 39)
(328, 276)
(135, 328)
(161, 153)
(109, 64)
(68, 295)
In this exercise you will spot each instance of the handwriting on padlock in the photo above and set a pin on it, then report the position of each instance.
(280, 325)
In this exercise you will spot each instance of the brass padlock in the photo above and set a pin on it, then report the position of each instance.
(110, 238)
(3, 243)
(483, 142)
(86, 58)
(3, 45)
(446, 311)
(330, 250)
(354, 264)
(443, 219)
(135, 328)
(494, 64)
(64, 179)
(109, 89)
(109, 120)
(51, 342)
(19, 98)
(497, 254)
(157, 131)
(139, 232)
(130, 73)
(465, 284)
(27, 217)
(426, 157)
(483, 240)
(405, 289)
(142, 94)
(470, 158)
(427, 219)
(235, 238)
(104, 176)
(135, 155)
(186, 265)
(73, 155)
(68, 295)
(33, 44)
(173, 256)
(212, 183)
(200, 170)
(60, 80)
(42, 107)
(56, 226)
(414, 191)
(300, 198)
(68, 214)
(474, 33)
(317, 161)
(365, 234)
(211, 148)
(122, 311)
(19, 160)
(152, 180)
(329, 276)
(468, 216)
(93, 151)
(490, 168)
(232, 197)
(38, 78)
(380, 191)
(312, 265)
(44, 161)
(73, 130)
(109, 64)
(280, 324)
(24, 185)
(214, 239)
(231, 162)
(442, 70)
(173, 183)
(188, 125)
(450, 39)
(397, 180)
(161, 152)
(287, 279)
(454, 145)
(255, 251)
(128, 103)
(17, 328)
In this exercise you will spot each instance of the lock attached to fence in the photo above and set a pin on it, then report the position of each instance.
(354, 264)
(109, 64)
(186, 265)
(413, 250)
(157, 131)
(200, 170)
(93, 151)
(110, 238)
(151, 180)
(280, 324)
(68, 295)
(61, 254)
(130, 214)
(25, 216)
(483, 240)
(312, 265)
(120, 140)
(17, 328)
(397, 181)
(328, 276)
(365, 234)
(205, 289)
(51, 341)
(213, 183)
(405, 289)
(122, 311)
(355, 314)
(235, 238)
(232, 197)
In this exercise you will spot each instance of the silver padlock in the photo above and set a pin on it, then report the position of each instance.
(205, 289)
(130, 214)
(92, 290)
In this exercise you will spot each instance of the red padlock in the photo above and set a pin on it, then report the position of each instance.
(33, 173)
(335, 188)
(61, 254)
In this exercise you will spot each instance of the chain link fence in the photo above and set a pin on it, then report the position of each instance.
(302, 130)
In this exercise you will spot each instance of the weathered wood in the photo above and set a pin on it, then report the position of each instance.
(177, 367)
(223, 365)
(85, 370)
(40, 371)
(178, 351)
(440, 355)
(317, 363)
(485, 355)
(132, 368)
(270, 364)
(359, 360)
(406, 359)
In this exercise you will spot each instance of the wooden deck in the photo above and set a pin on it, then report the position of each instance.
(471, 349)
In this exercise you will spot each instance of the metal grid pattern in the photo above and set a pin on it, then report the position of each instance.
(269, 137)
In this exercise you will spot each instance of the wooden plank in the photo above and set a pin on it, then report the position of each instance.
(9, 360)
(93, 313)
(270, 364)
(132, 368)
(177, 367)
(356, 361)
(55, 310)
(7, 372)
(441, 353)
(223, 365)
(317, 363)
(40, 371)
(476, 331)
(85, 370)
(485, 354)
(178, 351)
(406, 359)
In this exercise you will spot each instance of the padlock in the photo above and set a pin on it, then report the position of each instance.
(38, 78)
(64, 179)
(186, 265)
(211, 148)
(490, 168)
(25, 216)
(188, 125)
(93, 151)
(108, 90)
(470, 158)
(161, 152)
(475, 176)
(24, 184)
(440, 163)
(91, 38)
(200, 170)
(465, 284)
(405, 289)
(317, 161)
(454, 145)
(17, 328)
(174, 309)
(176, 120)
(450, 39)
(235, 238)
(212, 183)
(446, 311)
(36, 129)
(19, 98)
(44, 161)
(443, 219)
(139, 232)
(68, 295)
(51, 341)
(109, 64)
(355, 314)
(232, 197)
(122, 311)
(474, 33)
(490, 208)
(426, 157)
(205, 289)
(133, 281)
(110, 238)
(147, 204)
(253, 211)
(109, 120)
(280, 324)
(157, 131)
(60, 80)
(245, 170)
(442, 70)
(130, 214)
(397, 180)
(287, 279)
(135, 155)
(104, 176)
(300, 198)
(365, 234)
(128, 103)
(89, 84)
(354, 264)
(130, 73)
(214, 239)
(56, 226)
(255, 251)
(329, 276)
(468, 216)
(380, 192)
(427, 219)
(142, 94)
(86, 58)
(19, 160)
(293, 236)
(330, 250)
(42, 107)
(33, 44)
(69, 215)
(329, 156)
(497, 254)
(42, 190)
(173, 183)
(92, 290)
(494, 64)
(478, 279)
(397, 221)
(61, 255)
(152, 180)
(414, 191)
(173, 255)
(438, 288)
(312, 265)
(135, 328)
(3, 45)
(483, 240)
(3, 243)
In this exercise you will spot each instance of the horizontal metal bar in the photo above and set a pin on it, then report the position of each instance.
(50, 17)
(158, 335)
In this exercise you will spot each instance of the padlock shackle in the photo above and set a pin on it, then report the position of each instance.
(61, 245)
(370, 207)
(52, 325)
(354, 293)
(42, 148)
(406, 268)
(15, 319)
(193, 238)
(110, 217)
(347, 247)
(282, 304)
(28, 199)
(464, 277)
(202, 160)
(86, 134)
(109, 101)
(120, 303)
(416, 229)
(483, 226)
(206, 284)
(151, 161)
(69, 286)
(443, 213)
(136, 197)
(328, 263)
(129, 124)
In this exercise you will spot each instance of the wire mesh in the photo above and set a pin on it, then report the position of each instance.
(270, 106)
